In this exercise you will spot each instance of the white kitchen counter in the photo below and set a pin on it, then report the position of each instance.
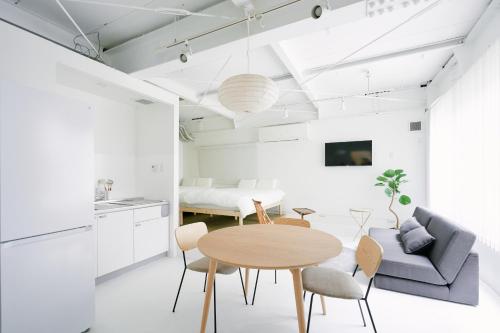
(123, 207)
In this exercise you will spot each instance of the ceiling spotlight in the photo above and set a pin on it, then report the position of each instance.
(183, 57)
(316, 12)
(285, 113)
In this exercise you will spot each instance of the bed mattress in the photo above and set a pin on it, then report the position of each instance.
(228, 198)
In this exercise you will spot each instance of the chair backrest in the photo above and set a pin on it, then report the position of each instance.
(292, 221)
(261, 213)
(369, 255)
(187, 236)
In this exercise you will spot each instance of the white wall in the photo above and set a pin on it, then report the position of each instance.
(229, 163)
(188, 161)
(154, 151)
(115, 136)
(299, 166)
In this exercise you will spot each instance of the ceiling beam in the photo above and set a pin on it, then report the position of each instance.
(448, 43)
(290, 66)
(278, 21)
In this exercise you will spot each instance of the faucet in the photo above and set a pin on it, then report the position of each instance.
(103, 194)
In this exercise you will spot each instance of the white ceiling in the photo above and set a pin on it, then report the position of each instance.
(448, 20)
(115, 25)
(293, 59)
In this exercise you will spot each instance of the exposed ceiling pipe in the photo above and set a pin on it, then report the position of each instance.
(98, 53)
(240, 21)
(419, 49)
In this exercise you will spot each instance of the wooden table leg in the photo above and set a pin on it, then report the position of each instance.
(212, 268)
(247, 279)
(323, 304)
(299, 302)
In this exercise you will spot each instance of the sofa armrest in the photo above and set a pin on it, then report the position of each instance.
(465, 287)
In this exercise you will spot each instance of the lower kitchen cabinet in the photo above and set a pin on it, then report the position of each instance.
(150, 238)
(115, 241)
(130, 236)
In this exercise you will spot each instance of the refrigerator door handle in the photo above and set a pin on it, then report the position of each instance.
(45, 237)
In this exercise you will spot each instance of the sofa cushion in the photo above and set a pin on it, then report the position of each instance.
(451, 247)
(423, 216)
(412, 287)
(408, 225)
(416, 240)
(395, 262)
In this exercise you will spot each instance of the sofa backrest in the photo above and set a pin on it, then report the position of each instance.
(423, 216)
(451, 247)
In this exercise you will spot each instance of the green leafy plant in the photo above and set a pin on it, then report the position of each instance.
(391, 180)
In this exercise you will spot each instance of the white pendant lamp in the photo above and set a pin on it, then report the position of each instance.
(248, 92)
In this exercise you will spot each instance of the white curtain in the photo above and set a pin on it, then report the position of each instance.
(464, 150)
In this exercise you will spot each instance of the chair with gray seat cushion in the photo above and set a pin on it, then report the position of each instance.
(447, 270)
(330, 282)
(187, 237)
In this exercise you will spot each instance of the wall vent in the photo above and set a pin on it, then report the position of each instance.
(415, 126)
(144, 101)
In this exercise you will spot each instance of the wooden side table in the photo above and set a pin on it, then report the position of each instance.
(303, 211)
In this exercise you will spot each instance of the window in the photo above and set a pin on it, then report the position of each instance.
(464, 150)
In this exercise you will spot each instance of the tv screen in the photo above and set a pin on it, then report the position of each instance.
(348, 153)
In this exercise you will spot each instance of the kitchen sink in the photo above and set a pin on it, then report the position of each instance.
(124, 203)
(138, 201)
(110, 205)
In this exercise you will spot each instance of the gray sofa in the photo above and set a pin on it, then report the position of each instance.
(447, 270)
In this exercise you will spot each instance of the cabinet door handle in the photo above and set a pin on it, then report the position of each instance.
(102, 216)
(138, 224)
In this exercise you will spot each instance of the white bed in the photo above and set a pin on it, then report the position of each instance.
(230, 201)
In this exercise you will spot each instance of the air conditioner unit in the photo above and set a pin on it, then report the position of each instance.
(282, 133)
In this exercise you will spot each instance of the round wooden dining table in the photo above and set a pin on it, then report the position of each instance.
(271, 247)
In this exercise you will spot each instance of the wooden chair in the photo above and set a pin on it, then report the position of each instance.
(261, 213)
(187, 237)
(265, 219)
(333, 283)
(292, 221)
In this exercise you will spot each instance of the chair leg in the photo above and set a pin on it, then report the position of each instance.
(362, 315)
(205, 284)
(275, 277)
(355, 270)
(310, 310)
(255, 288)
(179, 290)
(243, 286)
(371, 317)
(215, 311)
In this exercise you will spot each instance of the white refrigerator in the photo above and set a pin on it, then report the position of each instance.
(47, 243)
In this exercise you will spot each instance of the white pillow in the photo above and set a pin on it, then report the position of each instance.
(204, 182)
(188, 182)
(267, 184)
(247, 183)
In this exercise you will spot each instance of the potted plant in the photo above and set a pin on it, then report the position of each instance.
(391, 180)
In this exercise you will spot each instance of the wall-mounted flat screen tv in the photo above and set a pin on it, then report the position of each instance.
(348, 153)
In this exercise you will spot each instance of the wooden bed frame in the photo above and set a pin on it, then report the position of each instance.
(219, 211)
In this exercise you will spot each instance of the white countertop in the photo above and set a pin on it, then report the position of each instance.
(127, 206)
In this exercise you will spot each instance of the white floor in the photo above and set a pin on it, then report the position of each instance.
(141, 301)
